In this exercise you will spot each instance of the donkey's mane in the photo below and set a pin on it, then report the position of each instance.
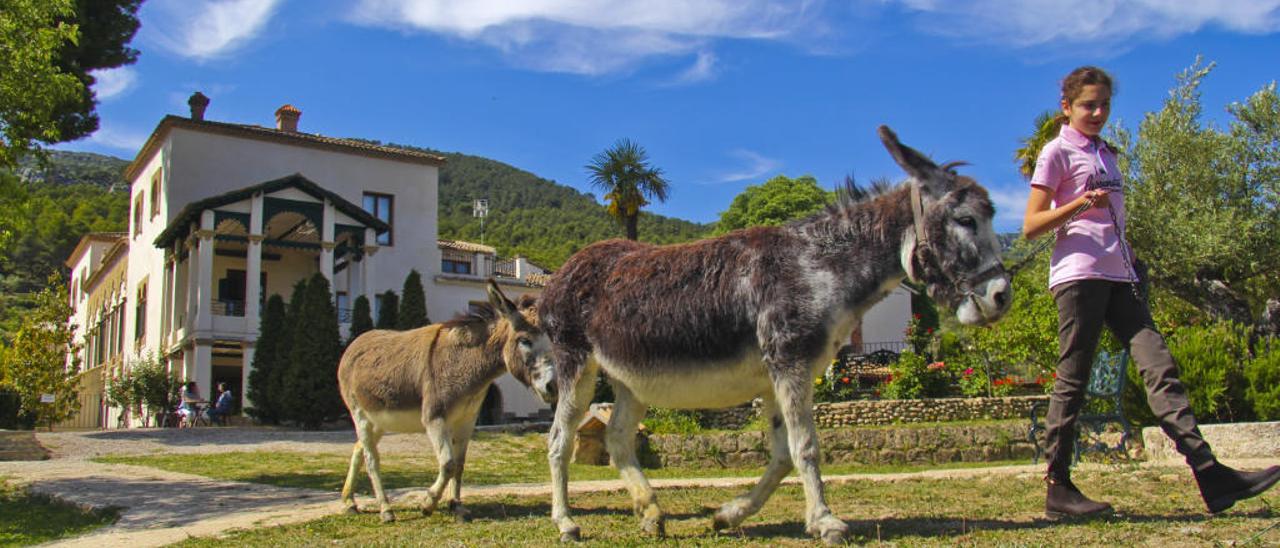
(484, 313)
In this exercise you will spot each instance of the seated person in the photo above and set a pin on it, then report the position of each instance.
(190, 405)
(222, 408)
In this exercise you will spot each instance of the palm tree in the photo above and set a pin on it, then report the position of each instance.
(623, 171)
(1047, 124)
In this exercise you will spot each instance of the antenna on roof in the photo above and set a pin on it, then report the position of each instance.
(480, 208)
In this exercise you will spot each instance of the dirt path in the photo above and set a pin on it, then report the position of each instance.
(159, 507)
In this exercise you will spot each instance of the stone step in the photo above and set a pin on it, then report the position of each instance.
(21, 445)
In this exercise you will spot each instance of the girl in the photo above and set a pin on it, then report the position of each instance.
(1077, 191)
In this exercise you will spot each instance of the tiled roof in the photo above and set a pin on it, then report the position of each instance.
(93, 237)
(467, 246)
(271, 134)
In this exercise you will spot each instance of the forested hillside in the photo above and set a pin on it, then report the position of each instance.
(534, 217)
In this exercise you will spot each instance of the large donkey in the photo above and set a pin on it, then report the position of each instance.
(757, 313)
(434, 378)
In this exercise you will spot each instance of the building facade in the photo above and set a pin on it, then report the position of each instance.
(223, 215)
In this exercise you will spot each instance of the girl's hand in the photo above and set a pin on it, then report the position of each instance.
(1098, 198)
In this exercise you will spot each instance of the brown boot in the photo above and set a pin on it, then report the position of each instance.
(1065, 500)
(1221, 486)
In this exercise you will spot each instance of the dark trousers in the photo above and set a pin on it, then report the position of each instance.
(1083, 307)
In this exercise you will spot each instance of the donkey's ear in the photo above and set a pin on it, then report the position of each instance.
(932, 180)
(500, 302)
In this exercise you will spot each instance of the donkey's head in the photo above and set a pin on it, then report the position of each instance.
(526, 350)
(951, 247)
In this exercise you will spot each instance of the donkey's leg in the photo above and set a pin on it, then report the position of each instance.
(575, 397)
(442, 442)
(794, 391)
(373, 464)
(742, 507)
(461, 438)
(349, 486)
(620, 439)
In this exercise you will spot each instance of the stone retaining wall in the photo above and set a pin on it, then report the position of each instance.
(1229, 441)
(934, 444)
(875, 412)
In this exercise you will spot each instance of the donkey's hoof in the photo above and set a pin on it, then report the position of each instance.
(833, 537)
(351, 510)
(571, 536)
(831, 530)
(387, 516)
(654, 526)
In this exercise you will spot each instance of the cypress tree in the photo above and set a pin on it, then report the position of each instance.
(413, 309)
(272, 336)
(278, 384)
(313, 362)
(389, 311)
(361, 319)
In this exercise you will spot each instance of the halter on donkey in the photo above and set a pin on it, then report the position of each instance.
(757, 313)
(434, 379)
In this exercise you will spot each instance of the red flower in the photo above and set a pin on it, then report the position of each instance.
(968, 371)
(844, 380)
(929, 330)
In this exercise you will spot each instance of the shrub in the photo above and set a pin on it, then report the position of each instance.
(660, 420)
(1210, 359)
(1263, 376)
(914, 377)
(156, 389)
(836, 385)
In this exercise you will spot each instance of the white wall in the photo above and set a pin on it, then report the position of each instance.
(887, 320)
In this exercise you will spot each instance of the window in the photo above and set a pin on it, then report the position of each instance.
(381, 206)
(140, 315)
(155, 192)
(455, 266)
(137, 215)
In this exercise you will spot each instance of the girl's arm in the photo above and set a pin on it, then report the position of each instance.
(1041, 217)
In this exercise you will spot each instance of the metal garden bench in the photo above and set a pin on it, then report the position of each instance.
(1102, 411)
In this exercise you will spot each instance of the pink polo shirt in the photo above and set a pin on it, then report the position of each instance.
(1088, 247)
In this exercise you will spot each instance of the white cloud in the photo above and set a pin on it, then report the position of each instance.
(1011, 204)
(113, 82)
(206, 29)
(754, 166)
(593, 36)
(1107, 24)
(702, 70)
(125, 139)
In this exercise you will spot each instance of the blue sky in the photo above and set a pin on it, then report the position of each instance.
(722, 93)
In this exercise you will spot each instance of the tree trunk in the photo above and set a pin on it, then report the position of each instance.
(632, 224)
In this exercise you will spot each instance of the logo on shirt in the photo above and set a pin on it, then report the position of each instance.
(1098, 182)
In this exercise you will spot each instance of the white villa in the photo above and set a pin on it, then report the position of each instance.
(215, 205)
(224, 215)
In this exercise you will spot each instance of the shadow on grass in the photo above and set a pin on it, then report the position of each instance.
(222, 437)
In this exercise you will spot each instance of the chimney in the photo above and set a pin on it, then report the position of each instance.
(198, 102)
(287, 118)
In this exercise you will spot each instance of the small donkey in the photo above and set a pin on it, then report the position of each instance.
(434, 378)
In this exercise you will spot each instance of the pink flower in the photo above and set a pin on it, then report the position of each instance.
(936, 366)
(968, 371)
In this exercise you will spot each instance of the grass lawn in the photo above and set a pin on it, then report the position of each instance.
(491, 459)
(1157, 507)
(27, 519)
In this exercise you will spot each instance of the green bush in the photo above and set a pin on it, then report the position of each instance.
(836, 385)
(1211, 359)
(914, 377)
(660, 420)
(1263, 376)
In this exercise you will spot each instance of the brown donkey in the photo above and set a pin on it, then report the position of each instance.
(434, 379)
(755, 313)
